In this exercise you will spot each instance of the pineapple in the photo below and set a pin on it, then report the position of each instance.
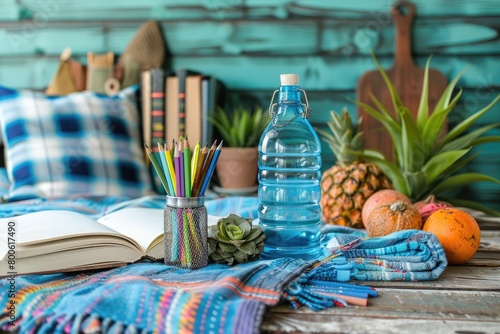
(427, 160)
(346, 185)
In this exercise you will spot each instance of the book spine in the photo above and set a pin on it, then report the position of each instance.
(205, 110)
(157, 108)
(146, 109)
(181, 75)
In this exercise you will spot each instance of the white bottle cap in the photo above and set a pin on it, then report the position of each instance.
(289, 79)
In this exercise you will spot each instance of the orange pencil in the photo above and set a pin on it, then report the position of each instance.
(206, 165)
(198, 177)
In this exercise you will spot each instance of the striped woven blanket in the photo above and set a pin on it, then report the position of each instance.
(155, 298)
(151, 298)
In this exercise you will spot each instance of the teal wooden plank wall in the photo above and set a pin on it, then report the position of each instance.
(248, 43)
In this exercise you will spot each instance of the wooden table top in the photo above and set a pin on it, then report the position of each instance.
(464, 299)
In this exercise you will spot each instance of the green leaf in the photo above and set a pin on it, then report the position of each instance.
(467, 139)
(444, 100)
(260, 240)
(411, 142)
(383, 110)
(242, 129)
(458, 180)
(216, 257)
(397, 142)
(235, 137)
(457, 166)
(240, 256)
(249, 248)
(390, 170)
(423, 107)
(254, 233)
(374, 154)
(466, 123)
(485, 139)
(227, 248)
(441, 162)
(436, 121)
(389, 123)
(396, 100)
(416, 183)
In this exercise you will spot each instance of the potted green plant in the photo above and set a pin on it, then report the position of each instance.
(241, 130)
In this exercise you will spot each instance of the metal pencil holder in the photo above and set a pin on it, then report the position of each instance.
(186, 232)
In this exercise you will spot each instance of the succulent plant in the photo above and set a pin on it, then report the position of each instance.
(242, 128)
(233, 240)
(427, 162)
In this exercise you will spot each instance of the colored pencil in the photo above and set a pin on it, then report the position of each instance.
(170, 165)
(181, 167)
(157, 167)
(183, 172)
(187, 238)
(210, 170)
(187, 168)
(199, 167)
(206, 165)
(161, 152)
(175, 240)
(177, 171)
(346, 287)
(194, 162)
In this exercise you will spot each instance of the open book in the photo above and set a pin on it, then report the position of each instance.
(59, 240)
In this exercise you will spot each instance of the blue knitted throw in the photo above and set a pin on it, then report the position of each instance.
(148, 297)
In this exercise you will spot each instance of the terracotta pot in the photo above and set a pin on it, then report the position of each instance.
(237, 167)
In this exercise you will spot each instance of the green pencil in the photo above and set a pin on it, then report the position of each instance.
(164, 165)
(157, 167)
(187, 168)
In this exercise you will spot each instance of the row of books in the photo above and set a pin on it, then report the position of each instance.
(177, 104)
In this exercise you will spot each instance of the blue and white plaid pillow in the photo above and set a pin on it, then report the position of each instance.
(78, 144)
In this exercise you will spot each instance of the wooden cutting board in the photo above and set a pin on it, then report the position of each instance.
(406, 77)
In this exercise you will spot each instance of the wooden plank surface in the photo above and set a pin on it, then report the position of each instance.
(454, 303)
(203, 9)
(357, 323)
(311, 35)
(464, 299)
(419, 304)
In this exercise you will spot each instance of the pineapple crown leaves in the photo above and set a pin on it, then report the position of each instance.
(426, 162)
(344, 137)
(242, 128)
(234, 240)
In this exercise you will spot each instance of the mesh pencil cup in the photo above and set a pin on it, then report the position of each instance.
(186, 232)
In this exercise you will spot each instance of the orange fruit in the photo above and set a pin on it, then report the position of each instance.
(381, 197)
(457, 231)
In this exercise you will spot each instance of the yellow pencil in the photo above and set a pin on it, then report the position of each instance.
(194, 162)
(168, 177)
(170, 165)
(198, 177)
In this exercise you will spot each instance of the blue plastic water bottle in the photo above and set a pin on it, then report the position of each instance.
(289, 177)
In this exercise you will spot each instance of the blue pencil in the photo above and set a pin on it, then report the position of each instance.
(346, 286)
(177, 171)
(161, 151)
(181, 166)
(210, 170)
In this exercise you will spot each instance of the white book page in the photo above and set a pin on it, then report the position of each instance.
(141, 224)
(48, 225)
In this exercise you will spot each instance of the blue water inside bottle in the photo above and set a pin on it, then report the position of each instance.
(289, 179)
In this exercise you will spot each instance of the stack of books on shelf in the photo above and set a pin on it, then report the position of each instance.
(176, 105)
